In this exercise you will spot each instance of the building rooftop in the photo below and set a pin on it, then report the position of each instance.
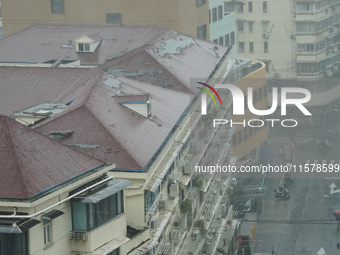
(50, 43)
(102, 125)
(23, 88)
(122, 111)
(32, 163)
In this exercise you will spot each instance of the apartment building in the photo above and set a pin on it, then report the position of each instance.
(140, 110)
(187, 17)
(55, 200)
(222, 26)
(296, 39)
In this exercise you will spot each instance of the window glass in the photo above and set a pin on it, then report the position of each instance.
(265, 8)
(220, 12)
(89, 216)
(114, 18)
(202, 32)
(57, 6)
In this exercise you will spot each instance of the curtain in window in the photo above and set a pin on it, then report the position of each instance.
(79, 216)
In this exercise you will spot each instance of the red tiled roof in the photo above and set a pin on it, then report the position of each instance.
(24, 87)
(49, 42)
(32, 163)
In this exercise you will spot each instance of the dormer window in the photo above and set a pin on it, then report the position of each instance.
(87, 44)
(84, 47)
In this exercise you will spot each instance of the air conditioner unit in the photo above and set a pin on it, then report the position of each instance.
(265, 35)
(175, 235)
(78, 236)
(162, 204)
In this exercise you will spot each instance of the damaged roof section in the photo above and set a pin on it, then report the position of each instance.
(170, 61)
(124, 124)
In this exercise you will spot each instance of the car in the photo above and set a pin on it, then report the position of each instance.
(244, 206)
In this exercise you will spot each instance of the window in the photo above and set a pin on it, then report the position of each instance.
(220, 12)
(251, 47)
(305, 7)
(228, 6)
(87, 216)
(226, 40)
(220, 40)
(264, 6)
(57, 6)
(241, 47)
(84, 47)
(14, 243)
(307, 27)
(250, 6)
(114, 252)
(114, 18)
(47, 231)
(202, 32)
(240, 6)
(215, 41)
(240, 26)
(232, 38)
(305, 47)
(265, 26)
(200, 2)
(214, 14)
(265, 47)
(149, 199)
(251, 26)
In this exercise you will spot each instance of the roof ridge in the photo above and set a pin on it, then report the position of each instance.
(14, 151)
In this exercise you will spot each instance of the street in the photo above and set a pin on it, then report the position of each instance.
(304, 224)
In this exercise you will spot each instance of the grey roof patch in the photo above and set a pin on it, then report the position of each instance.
(112, 82)
(174, 45)
(49, 109)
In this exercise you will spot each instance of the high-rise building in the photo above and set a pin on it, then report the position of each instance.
(296, 39)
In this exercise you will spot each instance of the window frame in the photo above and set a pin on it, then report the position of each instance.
(251, 47)
(47, 230)
(265, 6)
(265, 47)
(200, 3)
(55, 9)
(92, 213)
(118, 20)
(251, 27)
(241, 47)
(204, 32)
(250, 6)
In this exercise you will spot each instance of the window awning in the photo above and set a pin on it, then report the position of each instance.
(112, 187)
(53, 214)
(19, 226)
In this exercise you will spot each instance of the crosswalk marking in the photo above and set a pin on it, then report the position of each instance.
(322, 161)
